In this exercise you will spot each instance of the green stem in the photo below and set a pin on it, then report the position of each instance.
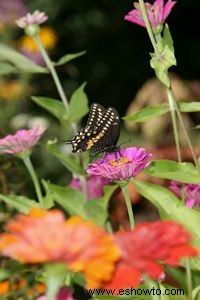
(54, 74)
(125, 192)
(148, 27)
(189, 279)
(109, 227)
(33, 175)
(151, 286)
(188, 140)
(173, 106)
(171, 95)
(63, 97)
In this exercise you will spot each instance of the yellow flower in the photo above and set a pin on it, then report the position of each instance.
(10, 90)
(48, 38)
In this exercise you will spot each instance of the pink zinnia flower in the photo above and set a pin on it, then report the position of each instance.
(145, 249)
(157, 13)
(120, 165)
(30, 19)
(95, 186)
(191, 192)
(21, 141)
(63, 294)
(10, 10)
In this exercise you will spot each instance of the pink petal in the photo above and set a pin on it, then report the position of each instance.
(167, 8)
(134, 16)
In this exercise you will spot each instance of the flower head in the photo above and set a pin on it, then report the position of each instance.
(22, 141)
(95, 186)
(94, 255)
(120, 165)
(63, 294)
(10, 10)
(191, 192)
(146, 248)
(10, 89)
(157, 13)
(35, 18)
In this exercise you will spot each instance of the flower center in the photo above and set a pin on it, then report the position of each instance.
(119, 162)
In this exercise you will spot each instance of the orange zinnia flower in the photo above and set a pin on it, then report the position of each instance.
(45, 236)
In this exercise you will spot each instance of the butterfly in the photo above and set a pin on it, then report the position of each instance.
(101, 132)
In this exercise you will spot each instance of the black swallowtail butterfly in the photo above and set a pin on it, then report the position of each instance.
(101, 132)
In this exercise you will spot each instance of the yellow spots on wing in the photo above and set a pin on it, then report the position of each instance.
(89, 144)
(93, 140)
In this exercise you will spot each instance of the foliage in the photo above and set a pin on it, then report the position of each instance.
(94, 235)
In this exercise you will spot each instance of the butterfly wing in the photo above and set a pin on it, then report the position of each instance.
(80, 141)
(96, 114)
(101, 132)
(108, 130)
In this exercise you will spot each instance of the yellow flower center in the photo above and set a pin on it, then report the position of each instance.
(119, 162)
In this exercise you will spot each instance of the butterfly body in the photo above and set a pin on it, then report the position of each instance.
(101, 132)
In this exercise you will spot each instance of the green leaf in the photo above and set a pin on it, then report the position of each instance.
(54, 275)
(54, 106)
(196, 293)
(48, 199)
(97, 209)
(188, 107)
(79, 279)
(69, 161)
(172, 207)
(148, 113)
(6, 68)
(70, 199)
(171, 293)
(4, 273)
(162, 63)
(169, 169)
(78, 105)
(68, 57)
(178, 274)
(167, 38)
(21, 203)
(7, 54)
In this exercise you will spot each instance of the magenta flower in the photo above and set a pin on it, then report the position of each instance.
(95, 186)
(120, 165)
(31, 19)
(191, 192)
(157, 13)
(10, 10)
(21, 141)
(63, 294)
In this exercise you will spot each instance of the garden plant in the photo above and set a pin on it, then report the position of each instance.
(60, 244)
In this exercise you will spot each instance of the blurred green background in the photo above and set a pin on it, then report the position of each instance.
(115, 66)
(117, 59)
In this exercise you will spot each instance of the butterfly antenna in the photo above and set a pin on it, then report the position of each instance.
(65, 142)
